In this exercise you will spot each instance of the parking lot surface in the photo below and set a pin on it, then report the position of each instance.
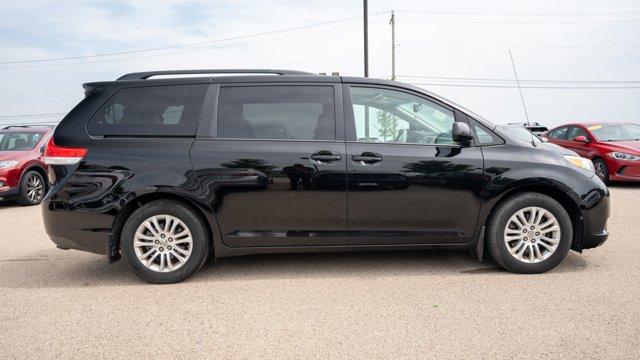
(442, 304)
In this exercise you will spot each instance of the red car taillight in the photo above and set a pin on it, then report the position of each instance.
(58, 155)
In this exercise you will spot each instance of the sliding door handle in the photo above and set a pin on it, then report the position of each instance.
(325, 157)
(367, 158)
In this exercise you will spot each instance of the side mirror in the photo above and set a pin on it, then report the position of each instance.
(581, 138)
(461, 132)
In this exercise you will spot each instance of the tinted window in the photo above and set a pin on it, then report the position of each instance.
(576, 131)
(277, 112)
(383, 115)
(19, 141)
(558, 133)
(156, 110)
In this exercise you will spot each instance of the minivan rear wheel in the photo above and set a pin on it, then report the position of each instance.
(529, 233)
(164, 242)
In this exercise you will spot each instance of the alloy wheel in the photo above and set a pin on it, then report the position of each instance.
(163, 243)
(35, 188)
(601, 170)
(532, 234)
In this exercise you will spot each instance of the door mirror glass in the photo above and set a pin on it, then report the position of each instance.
(461, 132)
(581, 138)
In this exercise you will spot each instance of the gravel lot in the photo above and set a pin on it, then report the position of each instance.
(69, 304)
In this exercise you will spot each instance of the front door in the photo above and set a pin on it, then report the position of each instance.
(583, 149)
(274, 170)
(409, 183)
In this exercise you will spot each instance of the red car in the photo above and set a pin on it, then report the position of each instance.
(614, 148)
(22, 171)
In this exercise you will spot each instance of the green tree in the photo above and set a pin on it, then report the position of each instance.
(387, 125)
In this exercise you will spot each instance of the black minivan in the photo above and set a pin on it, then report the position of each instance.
(166, 169)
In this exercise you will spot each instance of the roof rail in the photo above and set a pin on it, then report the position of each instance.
(147, 74)
(27, 126)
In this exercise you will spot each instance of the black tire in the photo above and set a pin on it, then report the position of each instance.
(602, 170)
(32, 189)
(201, 246)
(498, 222)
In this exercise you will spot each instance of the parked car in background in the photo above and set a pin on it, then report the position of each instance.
(23, 174)
(534, 127)
(614, 148)
(167, 172)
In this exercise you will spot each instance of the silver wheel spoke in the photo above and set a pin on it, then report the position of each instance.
(163, 243)
(532, 234)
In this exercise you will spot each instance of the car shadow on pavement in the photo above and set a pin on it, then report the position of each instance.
(8, 205)
(73, 269)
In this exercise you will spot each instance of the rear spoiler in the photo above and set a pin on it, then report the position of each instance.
(89, 88)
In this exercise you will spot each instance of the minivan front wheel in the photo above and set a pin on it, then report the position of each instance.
(164, 242)
(529, 233)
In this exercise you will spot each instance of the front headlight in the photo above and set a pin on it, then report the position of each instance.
(8, 164)
(623, 156)
(580, 162)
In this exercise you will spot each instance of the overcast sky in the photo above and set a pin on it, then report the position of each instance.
(560, 48)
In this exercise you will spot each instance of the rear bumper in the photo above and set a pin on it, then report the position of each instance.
(68, 230)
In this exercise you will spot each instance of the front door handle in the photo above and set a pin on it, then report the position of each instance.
(367, 158)
(325, 157)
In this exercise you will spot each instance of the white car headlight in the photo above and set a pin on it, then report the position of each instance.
(623, 156)
(8, 164)
(580, 162)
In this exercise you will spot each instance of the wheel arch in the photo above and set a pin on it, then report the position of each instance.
(39, 169)
(554, 192)
(139, 201)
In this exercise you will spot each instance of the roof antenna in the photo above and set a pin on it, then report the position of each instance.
(513, 64)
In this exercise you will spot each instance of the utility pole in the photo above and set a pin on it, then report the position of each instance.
(392, 22)
(366, 38)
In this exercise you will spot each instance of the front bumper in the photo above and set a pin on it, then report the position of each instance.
(594, 205)
(8, 192)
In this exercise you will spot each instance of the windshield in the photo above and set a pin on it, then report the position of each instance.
(617, 132)
(521, 133)
(19, 141)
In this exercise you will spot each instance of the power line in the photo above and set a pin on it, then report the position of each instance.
(22, 116)
(523, 80)
(526, 87)
(518, 21)
(207, 48)
(525, 13)
(41, 97)
(240, 37)
(519, 46)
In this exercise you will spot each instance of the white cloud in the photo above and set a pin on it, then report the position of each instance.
(431, 45)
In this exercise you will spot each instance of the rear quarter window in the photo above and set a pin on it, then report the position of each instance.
(169, 110)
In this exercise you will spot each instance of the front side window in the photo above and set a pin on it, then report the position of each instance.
(172, 110)
(19, 141)
(292, 112)
(383, 115)
(576, 131)
(558, 133)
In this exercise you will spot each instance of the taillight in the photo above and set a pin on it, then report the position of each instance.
(58, 155)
